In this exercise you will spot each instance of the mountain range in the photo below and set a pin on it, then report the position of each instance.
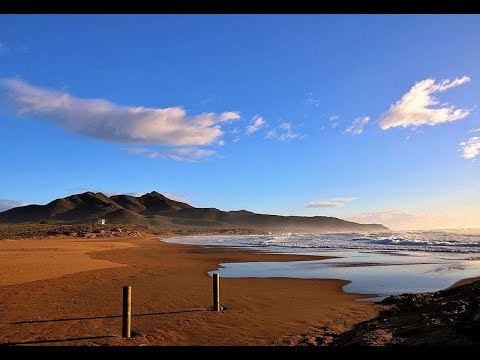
(155, 209)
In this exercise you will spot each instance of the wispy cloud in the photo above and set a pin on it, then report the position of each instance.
(471, 148)
(287, 133)
(105, 120)
(134, 193)
(10, 49)
(24, 49)
(3, 48)
(271, 134)
(357, 126)
(177, 154)
(256, 124)
(311, 100)
(177, 197)
(334, 119)
(207, 100)
(229, 116)
(474, 130)
(284, 132)
(8, 204)
(405, 219)
(416, 107)
(324, 204)
(331, 203)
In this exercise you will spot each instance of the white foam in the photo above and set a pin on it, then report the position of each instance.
(437, 241)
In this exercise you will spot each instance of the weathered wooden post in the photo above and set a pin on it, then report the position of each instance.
(127, 312)
(216, 292)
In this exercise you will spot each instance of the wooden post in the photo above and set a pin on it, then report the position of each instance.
(216, 292)
(127, 311)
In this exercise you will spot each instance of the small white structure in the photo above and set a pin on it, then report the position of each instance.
(102, 222)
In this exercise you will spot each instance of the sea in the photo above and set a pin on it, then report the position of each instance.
(376, 264)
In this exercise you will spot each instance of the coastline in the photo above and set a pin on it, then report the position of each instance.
(171, 296)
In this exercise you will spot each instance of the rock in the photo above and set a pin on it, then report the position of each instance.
(447, 317)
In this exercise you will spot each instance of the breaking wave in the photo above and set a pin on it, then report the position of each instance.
(437, 241)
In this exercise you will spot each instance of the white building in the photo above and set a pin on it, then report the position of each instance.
(102, 222)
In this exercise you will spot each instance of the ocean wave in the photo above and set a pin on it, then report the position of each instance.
(438, 241)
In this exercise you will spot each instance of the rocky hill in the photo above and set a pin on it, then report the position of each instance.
(157, 210)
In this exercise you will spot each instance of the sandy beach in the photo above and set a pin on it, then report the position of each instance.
(67, 291)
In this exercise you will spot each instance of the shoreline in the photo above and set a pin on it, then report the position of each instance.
(171, 296)
(372, 296)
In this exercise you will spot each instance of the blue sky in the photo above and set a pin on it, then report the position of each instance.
(369, 118)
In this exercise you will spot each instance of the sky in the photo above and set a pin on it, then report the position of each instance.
(370, 118)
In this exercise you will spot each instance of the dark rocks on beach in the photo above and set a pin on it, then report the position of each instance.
(447, 317)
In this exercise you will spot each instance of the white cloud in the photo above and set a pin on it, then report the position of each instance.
(334, 202)
(327, 204)
(415, 108)
(105, 120)
(405, 219)
(470, 149)
(229, 116)
(8, 204)
(288, 132)
(334, 119)
(177, 154)
(236, 139)
(284, 132)
(256, 124)
(272, 134)
(310, 100)
(474, 130)
(356, 128)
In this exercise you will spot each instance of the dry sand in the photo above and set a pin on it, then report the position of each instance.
(66, 291)
(23, 261)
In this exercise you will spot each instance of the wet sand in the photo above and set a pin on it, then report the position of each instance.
(464, 282)
(67, 291)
